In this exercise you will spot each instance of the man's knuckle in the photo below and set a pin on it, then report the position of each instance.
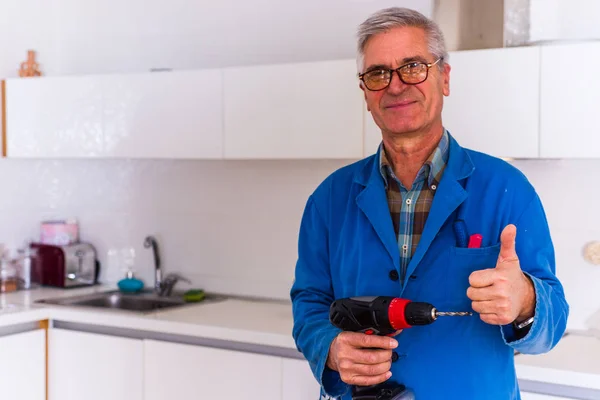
(365, 340)
(344, 364)
(372, 358)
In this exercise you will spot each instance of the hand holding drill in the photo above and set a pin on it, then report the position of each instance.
(362, 353)
(362, 360)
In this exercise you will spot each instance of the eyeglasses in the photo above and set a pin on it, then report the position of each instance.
(412, 73)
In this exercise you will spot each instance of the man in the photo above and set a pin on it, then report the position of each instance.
(385, 225)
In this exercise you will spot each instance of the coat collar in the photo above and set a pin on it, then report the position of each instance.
(460, 165)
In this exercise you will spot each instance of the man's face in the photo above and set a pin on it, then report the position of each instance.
(401, 108)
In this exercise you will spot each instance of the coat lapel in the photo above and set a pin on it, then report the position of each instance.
(449, 196)
(372, 200)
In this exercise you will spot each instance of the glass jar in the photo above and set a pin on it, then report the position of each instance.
(9, 280)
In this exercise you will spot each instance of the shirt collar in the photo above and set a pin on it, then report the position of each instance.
(431, 170)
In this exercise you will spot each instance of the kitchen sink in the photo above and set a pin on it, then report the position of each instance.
(139, 302)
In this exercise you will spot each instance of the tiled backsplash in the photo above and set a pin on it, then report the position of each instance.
(227, 225)
(232, 226)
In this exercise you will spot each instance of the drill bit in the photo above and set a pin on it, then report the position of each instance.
(453, 313)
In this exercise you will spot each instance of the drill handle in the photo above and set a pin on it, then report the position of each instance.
(367, 314)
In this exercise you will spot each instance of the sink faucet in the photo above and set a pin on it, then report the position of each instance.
(162, 287)
(169, 283)
(150, 241)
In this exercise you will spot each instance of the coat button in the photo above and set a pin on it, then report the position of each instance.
(394, 356)
(394, 275)
(413, 277)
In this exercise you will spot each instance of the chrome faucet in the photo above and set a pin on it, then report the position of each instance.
(169, 283)
(150, 241)
(162, 287)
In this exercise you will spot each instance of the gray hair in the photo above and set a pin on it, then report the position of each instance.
(397, 17)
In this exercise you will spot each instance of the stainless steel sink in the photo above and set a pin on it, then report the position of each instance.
(139, 302)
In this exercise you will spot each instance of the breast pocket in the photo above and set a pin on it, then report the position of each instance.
(461, 263)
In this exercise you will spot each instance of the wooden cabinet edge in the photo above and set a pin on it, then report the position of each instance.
(45, 324)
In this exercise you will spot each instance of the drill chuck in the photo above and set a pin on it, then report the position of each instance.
(418, 313)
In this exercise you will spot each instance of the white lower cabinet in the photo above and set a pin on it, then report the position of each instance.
(23, 366)
(181, 371)
(92, 366)
(298, 381)
(536, 396)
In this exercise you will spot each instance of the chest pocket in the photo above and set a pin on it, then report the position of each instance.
(461, 263)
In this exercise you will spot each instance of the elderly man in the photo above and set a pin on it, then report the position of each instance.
(394, 224)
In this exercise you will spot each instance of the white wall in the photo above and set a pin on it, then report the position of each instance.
(570, 195)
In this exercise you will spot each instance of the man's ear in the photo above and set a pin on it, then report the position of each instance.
(446, 77)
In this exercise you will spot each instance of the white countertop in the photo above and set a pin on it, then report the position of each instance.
(249, 321)
(574, 361)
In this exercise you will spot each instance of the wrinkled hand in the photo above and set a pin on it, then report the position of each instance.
(503, 294)
(361, 359)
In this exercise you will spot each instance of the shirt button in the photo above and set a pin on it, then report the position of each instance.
(433, 187)
(394, 275)
(394, 356)
(408, 201)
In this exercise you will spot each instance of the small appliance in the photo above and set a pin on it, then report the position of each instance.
(65, 266)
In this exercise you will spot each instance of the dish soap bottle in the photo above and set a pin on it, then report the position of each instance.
(130, 284)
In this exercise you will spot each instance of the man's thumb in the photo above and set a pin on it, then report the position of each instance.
(507, 244)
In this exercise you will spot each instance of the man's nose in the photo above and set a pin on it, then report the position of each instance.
(396, 85)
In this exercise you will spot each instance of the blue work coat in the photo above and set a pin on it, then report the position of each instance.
(347, 247)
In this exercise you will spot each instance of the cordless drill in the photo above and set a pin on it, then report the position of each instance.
(383, 316)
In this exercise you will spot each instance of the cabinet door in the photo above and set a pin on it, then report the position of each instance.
(536, 396)
(298, 381)
(23, 366)
(570, 94)
(164, 115)
(304, 110)
(493, 105)
(180, 371)
(94, 367)
(54, 117)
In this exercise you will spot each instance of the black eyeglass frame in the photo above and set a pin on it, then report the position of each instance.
(397, 70)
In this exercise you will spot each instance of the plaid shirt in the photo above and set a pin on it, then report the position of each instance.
(409, 208)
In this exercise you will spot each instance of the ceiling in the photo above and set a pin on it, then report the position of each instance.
(98, 36)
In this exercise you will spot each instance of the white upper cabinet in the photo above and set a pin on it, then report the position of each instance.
(54, 117)
(303, 110)
(493, 105)
(164, 115)
(148, 115)
(570, 96)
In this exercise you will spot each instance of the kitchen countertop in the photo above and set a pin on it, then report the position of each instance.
(575, 361)
(254, 321)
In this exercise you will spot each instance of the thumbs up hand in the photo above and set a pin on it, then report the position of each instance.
(503, 294)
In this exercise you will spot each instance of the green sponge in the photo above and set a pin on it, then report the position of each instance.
(194, 295)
